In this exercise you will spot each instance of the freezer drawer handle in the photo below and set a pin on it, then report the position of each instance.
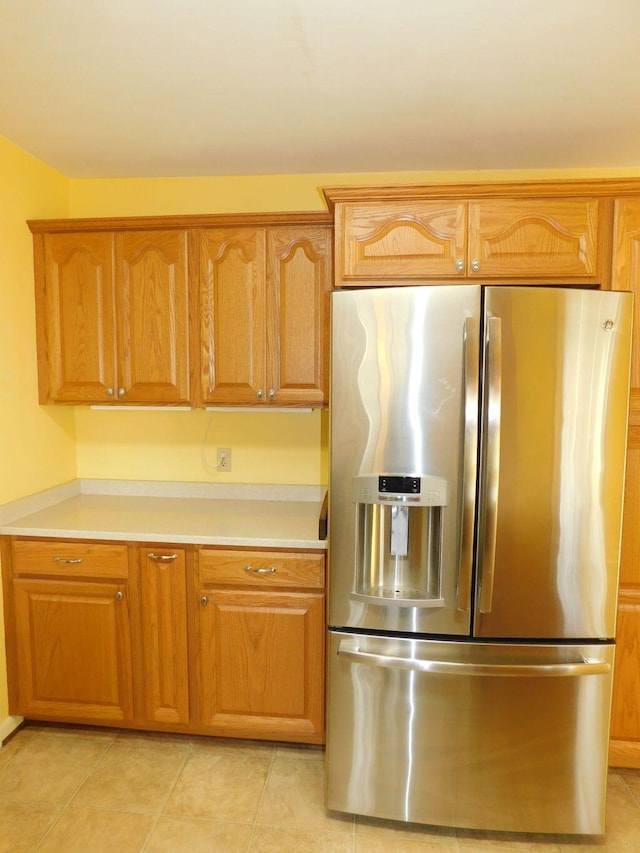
(438, 667)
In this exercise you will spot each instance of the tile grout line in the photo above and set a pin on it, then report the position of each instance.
(187, 756)
(634, 797)
(66, 805)
(254, 824)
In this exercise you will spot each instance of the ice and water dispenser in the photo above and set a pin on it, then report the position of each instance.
(399, 539)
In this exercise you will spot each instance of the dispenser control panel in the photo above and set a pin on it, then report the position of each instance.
(424, 490)
(399, 485)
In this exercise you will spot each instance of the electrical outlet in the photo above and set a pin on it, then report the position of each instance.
(223, 459)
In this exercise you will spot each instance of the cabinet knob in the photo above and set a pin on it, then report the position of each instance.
(121, 392)
(259, 393)
(162, 558)
(119, 595)
(204, 601)
(460, 265)
(475, 265)
(109, 392)
(272, 394)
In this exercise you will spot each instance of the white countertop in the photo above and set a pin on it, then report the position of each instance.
(254, 516)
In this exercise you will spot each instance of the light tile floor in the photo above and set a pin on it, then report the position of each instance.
(84, 790)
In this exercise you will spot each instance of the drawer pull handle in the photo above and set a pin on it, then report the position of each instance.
(67, 560)
(162, 558)
(268, 571)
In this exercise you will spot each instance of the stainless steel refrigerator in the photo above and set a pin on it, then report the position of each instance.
(477, 468)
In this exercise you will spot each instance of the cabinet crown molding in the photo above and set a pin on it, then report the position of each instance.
(183, 221)
(569, 188)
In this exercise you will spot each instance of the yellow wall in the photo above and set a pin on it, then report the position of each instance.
(38, 445)
(253, 194)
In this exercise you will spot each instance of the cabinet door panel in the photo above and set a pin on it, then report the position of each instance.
(299, 281)
(401, 239)
(164, 629)
(262, 663)
(625, 721)
(630, 551)
(73, 649)
(625, 714)
(232, 297)
(152, 317)
(626, 267)
(78, 310)
(533, 238)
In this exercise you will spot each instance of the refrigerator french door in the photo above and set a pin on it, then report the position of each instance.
(477, 466)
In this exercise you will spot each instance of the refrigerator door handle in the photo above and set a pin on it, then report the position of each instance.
(493, 355)
(352, 653)
(469, 461)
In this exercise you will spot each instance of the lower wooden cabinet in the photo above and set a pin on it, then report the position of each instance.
(261, 663)
(163, 618)
(73, 645)
(262, 638)
(211, 641)
(625, 714)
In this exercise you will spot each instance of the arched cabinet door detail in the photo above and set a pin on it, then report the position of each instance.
(264, 308)
(299, 276)
(399, 235)
(232, 299)
(411, 240)
(76, 328)
(152, 317)
(112, 317)
(534, 238)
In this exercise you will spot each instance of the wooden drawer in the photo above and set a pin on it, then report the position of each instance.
(69, 559)
(268, 569)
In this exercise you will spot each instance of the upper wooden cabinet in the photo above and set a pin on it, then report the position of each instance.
(113, 317)
(536, 232)
(75, 311)
(152, 317)
(264, 296)
(535, 239)
(195, 310)
(232, 314)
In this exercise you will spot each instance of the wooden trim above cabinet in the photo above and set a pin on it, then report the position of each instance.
(568, 188)
(208, 220)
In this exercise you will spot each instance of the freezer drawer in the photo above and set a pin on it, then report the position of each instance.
(477, 735)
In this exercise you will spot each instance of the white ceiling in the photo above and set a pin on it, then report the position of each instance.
(118, 88)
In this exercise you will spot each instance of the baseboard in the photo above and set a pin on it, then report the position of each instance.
(624, 753)
(9, 726)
